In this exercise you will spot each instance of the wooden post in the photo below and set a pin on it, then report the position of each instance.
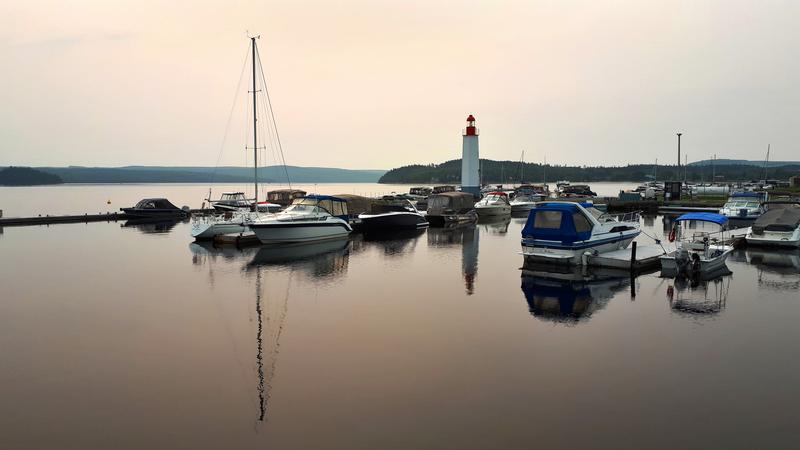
(633, 256)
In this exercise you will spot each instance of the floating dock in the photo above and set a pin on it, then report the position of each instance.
(84, 218)
(634, 258)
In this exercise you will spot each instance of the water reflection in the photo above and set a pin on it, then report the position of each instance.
(393, 244)
(317, 259)
(495, 225)
(702, 295)
(777, 269)
(272, 317)
(468, 236)
(150, 226)
(570, 294)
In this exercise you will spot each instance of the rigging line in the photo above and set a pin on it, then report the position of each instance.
(272, 147)
(228, 124)
(272, 114)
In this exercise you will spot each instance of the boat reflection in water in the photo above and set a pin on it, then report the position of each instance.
(570, 295)
(494, 224)
(777, 269)
(153, 225)
(318, 259)
(704, 294)
(393, 244)
(468, 237)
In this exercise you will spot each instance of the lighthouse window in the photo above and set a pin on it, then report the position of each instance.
(547, 219)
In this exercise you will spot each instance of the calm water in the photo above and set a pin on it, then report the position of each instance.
(119, 336)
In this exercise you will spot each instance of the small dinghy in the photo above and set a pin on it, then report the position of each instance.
(698, 250)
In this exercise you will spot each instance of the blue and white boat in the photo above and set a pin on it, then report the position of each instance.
(744, 205)
(700, 245)
(310, 218)
(562, 232)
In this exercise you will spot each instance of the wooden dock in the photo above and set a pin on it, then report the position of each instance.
(85, 218)
(49, 220)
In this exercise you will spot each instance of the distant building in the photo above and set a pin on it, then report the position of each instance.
(794, 181)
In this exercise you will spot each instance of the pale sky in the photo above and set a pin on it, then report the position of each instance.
(379, 84)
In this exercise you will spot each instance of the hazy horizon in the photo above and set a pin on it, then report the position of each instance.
(377, 85)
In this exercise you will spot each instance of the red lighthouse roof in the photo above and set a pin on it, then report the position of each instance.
(470, 118)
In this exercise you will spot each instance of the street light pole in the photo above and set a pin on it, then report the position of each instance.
(679, 154)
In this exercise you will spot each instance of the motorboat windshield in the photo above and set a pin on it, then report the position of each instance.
(318, 204)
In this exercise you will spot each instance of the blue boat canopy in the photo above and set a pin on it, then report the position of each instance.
(704, 217)
(563, 222)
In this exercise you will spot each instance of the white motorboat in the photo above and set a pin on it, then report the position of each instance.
(205, 227)
(562, 232)
(700, 252)
(310, 218)
(231, 201)
(524, 202)
(493, 204)
(744, 205)
(778, 226)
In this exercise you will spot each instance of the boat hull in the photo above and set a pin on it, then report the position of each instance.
(555, 252)
(207, 230)
(154, 213)
(300, 230)
(449, 219)
(775, 239)
(392, 221)
(493, 210)
(670, 265)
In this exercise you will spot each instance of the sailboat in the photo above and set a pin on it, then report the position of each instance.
(239, 212)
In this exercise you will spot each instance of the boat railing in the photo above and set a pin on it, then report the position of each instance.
(634, 216)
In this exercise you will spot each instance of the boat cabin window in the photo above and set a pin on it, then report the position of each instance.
(547, 219)
(338, 209)
(582, 224)
(438, 202)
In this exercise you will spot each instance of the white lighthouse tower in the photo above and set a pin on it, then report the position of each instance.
(470, 171)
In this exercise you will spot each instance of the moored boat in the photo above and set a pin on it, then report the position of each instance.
(562, 232)
(779, 226)
(493, 204)
(155, 208)
(231, 201)
(389, 215)
(701, 252)
(744, 205)
(451, 208)
(310, 218)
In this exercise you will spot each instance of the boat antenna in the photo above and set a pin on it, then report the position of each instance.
(766, 161)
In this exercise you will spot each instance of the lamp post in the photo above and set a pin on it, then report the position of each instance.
(679, 154)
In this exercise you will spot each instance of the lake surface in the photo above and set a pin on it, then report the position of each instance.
(119, 336)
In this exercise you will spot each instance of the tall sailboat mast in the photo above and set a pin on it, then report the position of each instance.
(255, 129)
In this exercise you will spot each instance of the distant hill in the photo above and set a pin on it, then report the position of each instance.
(25, 176)
(159, 174)
(493, 172)
(743, 162)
